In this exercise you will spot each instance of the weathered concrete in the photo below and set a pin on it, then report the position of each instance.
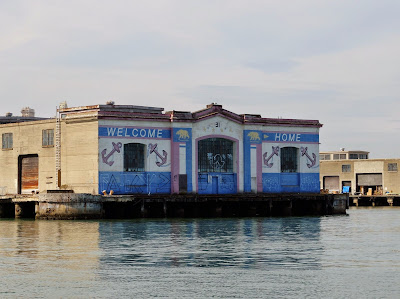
(375, 201)
(340, 204)
(69, 206)
(88, 206)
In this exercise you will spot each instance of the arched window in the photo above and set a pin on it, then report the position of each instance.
(134, 157)
(289, 159)
(215, 155)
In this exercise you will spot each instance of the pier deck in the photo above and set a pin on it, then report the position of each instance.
(86, 206)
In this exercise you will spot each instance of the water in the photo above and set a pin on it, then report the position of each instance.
(353, 256)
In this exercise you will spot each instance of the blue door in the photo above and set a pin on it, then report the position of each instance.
(214, 185)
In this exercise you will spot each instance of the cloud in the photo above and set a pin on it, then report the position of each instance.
(335, 61)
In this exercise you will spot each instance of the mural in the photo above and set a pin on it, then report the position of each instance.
(183, 135)
(313, 160)
(275, 151)
(254, 136)
(116, 148)
(135, 182)
(163, 157)
(217, 183)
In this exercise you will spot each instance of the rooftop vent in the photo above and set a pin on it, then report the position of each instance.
(28, 112)
(342, 149)
(63, 105)
(110, 103)
(8, 114)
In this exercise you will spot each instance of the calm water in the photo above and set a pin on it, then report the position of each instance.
(353, 256)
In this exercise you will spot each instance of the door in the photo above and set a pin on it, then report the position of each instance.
(214, 185)
(28, 174)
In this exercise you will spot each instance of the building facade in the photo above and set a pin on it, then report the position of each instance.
(127, 149)
(353, 172)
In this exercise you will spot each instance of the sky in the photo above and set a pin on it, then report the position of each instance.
(335, 61)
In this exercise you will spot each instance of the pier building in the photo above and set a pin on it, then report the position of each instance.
(127, 149)
(355, 173)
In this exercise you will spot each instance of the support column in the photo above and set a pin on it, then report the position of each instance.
(143, 210)
(18, 210)
(165, 209)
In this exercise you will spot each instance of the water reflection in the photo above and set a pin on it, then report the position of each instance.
(245, 243)
(60, 250)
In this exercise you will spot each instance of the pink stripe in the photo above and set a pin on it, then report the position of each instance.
(272, 141)
(135, 127)
(259, 168)
(174, 167)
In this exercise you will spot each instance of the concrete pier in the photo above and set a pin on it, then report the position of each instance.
(374, 201)
(87, 206)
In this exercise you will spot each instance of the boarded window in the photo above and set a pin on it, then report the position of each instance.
(134, 157)
(215, 155)
(392, 166)
(346, 168)
(289, 159)
(48, 137)
(7, 141)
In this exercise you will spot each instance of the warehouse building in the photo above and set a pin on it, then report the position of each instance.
(126, 149)
(353, 172)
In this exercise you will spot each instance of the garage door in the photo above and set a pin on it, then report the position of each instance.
(370, 179)
(29, 174)
(331, 183)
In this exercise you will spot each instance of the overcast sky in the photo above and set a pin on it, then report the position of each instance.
(336, 61)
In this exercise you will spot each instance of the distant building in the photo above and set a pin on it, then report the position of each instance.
(353, 172)
(135, 149)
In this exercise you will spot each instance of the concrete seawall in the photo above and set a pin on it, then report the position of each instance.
(87, 206)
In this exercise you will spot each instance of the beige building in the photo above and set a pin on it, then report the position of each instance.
(354, 172)
(30, 144)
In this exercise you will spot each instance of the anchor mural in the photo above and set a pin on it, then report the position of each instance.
(313, 160)
(275, 151)
(116, 148)
(163, 157)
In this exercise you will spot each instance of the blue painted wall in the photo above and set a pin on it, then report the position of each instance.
(217, 183)
(291, 182)
(135, 182)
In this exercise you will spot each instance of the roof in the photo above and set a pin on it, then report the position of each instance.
(112, 111)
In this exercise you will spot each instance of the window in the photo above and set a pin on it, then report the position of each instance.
(353, 156)
(346, 168)
(134, 157)
(362, 156)
(342, 157)
(7, 139)
(392, 166)
(324, 156)
(335, 156)
(289, 159)
(48, 137)
(215, 155)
